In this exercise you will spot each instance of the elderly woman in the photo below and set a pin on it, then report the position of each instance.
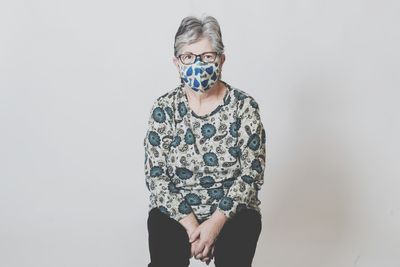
(204, 159)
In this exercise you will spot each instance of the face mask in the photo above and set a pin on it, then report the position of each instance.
(200, 76)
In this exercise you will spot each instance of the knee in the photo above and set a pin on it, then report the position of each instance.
(168, 241)
(161, 224)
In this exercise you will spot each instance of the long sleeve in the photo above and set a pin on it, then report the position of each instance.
(252, 153)
(157, 142)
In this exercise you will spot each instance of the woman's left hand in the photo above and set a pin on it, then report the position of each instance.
(204, 258)
(206, 234)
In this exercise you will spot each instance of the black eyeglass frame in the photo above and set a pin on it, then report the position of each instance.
(198, 55)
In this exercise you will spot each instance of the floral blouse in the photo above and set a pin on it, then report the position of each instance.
(200, 163)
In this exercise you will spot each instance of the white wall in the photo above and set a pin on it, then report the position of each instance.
(77, 79)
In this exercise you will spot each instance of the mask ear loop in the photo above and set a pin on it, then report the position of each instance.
(218, 61)
(180, 74)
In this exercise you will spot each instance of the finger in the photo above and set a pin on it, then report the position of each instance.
(199, 248)
(194, 235)
(206, 250)
(193, 248)
(205, 259)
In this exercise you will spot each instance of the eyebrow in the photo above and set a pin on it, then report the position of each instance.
(188, 52)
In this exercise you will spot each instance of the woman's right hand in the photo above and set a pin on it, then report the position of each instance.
(202, 257)
(190, 223)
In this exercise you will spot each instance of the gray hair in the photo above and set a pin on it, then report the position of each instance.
(192, 29)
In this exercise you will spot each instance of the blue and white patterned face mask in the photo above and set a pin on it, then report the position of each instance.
(200, 76)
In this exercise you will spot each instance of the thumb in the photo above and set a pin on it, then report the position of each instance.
(194, 235)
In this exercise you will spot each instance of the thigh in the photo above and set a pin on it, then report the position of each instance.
(168, 241)
(237, 241)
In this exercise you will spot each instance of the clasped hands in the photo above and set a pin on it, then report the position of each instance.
(202, 236)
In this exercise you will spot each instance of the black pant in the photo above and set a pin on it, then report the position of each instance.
(235, 246)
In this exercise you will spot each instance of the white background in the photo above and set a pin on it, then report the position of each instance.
(77, 80)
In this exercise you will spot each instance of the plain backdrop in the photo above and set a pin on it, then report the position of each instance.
(77, 80)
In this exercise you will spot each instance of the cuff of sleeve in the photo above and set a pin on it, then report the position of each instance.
(229, 206)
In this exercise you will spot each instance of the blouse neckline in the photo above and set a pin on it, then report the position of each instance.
(216, 109)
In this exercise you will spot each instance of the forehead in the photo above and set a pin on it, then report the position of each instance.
(201, 46)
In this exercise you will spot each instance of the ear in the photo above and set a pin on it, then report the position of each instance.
(175, 62)
(222, 59)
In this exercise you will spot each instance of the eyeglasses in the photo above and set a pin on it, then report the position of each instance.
(190, 58)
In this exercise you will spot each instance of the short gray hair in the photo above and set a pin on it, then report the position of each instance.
(192, 29)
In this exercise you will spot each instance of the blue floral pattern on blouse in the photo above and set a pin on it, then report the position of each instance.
(201, 163)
